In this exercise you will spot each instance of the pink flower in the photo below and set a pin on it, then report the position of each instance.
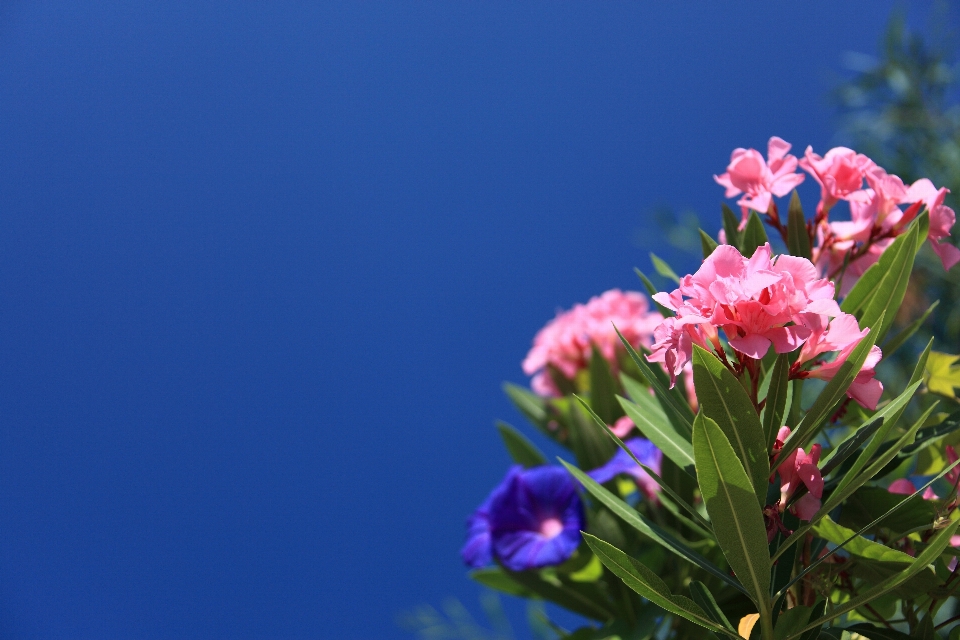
(747, 173)
(840, 174)
(566, 342)
(907, 488)
(842, 334)
(942, 219)
(622, 427)
(800, 468)
(758, 302)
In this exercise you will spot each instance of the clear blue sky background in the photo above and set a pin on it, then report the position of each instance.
(263, 267)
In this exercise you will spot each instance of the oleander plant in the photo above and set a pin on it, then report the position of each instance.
(740, 470)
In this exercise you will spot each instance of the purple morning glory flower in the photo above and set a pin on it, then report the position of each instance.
(532, 520)
(621, 462)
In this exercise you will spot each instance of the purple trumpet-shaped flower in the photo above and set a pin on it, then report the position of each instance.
(531, 520)
(621, 462)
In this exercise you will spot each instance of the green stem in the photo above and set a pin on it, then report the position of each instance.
(766, 623)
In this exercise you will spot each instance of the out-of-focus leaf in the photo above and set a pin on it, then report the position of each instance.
(532, 406)
(870, 503)
(937, 544)
(941, 375)
(639, 522)
(798, 242)
(663, 268)
(858, 545)
(730, 225)
(732, 504)
(830, 395)
(898, 340)
(580, 598)
(603, 388)
(707, 243)
(724, 400)
(494, 578)
(702, 596)
(650, 586)
(754, 235)
(666, 313)
(519, 447)
(871, 632)
(591, 449)
(776, 401)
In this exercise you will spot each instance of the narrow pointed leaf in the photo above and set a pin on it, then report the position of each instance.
(776, 402)
(532, 406)
(731, 225)
(934, 549)
(702, 596)
(639, 522)
(658, 430)
(724, 400)
(848, 447)
(707, 243)
(649, 585)
(670, 400)
(651, 290)
(855, 544)
(732, 504)
(603, 388)
(898, 340)
(870, 283)
(831, 394)
(519, 447)
(798, 242)
(653, 474)
(663, 268)
(754, 235)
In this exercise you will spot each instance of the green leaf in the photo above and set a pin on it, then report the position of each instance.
(898, 340)
(702, 596)
(603, 388)
(896, 263)
(776, 402)
(663, 268)
(848, 447)
(521, 450)
(831, 394)
(791, 620)
(724, 400)
(577, 597)
(730, 225)
(532, 406)
(639, 522)
(732, 504)
(856, 544)
(649, 585)
(798, 242)
(494, 578)
(653, 424)
(936, 546)
(754, 235)
(652, 290)
(671, 401)
(590, 448)
(653, 474)
(941, 375)
(928, 435)
(707, 243)
(878, 633)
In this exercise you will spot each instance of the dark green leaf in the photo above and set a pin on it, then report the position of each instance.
(776, 402)
(732, 504)
(898, 340)
(814, 633)
(532, 406)
(494, 578)
(878, 633)
(937, 544)
(754, 235)
(707, 243)
(702, 596)
(649, 585)
(639, 522)
(521, 450)
(791, 620)
(857, 545)
(798, 242)
(928, 435)
(578, 598)
(849, 446)
(663, 268)
(724, 400)
(603, 388)
(731, 225)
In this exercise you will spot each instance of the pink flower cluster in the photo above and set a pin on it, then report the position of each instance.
(797, 469)
(874, 197)
(760, 302)
(566, 342)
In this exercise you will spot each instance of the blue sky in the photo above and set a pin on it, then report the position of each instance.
(265, 265)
